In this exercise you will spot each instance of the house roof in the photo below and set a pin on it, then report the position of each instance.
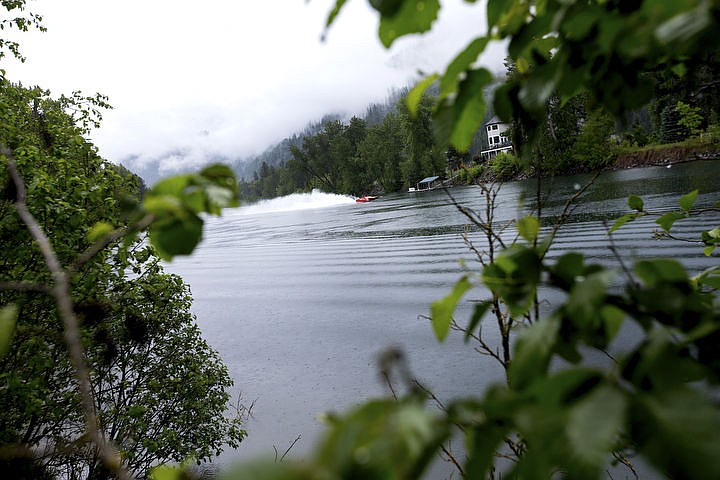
(494, 119)
(428, 179)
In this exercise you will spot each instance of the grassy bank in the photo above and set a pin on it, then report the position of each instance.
(507, 167)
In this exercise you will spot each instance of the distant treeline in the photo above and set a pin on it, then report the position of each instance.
(389, 150)
(386, 150)
(279, 153)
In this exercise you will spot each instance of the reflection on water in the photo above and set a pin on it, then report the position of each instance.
(300, 302)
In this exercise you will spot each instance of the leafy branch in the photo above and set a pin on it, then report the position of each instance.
(61, 293)
(666, 220)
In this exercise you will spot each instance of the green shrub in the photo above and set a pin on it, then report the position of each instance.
(594, 147)
(690, 118)
(473, 173)
(506, 166)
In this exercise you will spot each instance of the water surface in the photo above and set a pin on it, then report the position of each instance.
(300, 295)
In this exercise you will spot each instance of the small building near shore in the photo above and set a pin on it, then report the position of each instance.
(497, 137)
(429, 183)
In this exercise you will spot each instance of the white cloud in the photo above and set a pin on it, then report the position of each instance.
(225, 78)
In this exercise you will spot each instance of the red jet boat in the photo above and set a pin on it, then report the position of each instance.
(365, 199)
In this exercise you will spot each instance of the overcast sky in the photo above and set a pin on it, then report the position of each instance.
(194, 79)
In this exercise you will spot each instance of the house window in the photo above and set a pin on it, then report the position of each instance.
(497, 140)
(488, 128)
(490, 140)
(494, 127)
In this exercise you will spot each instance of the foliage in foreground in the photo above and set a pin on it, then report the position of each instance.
(154, 387)
(655, 400)
(355, 159)
(544, 422)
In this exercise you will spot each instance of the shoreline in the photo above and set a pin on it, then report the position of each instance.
(658, 156)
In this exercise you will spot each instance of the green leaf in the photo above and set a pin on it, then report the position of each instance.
(469, 108)
(567, 268)
(710, 237)
(479, 312)
(196, 200)
(167, 472)
(503, 101)
(537, 89)
(495, 10)
(461, 63)
(679, 69)
(218, 198)
(528, 228)
(579, 25)
(687, 201)
(709, 277)
(507, 15)
(613, 318)
(414, 16)
(564, 387)
(8, 319)
(174, 186)
(533, 350)
(177, 237)
(397, 438)
(220, 175)
(209, 191)
(635, 203)
(483, 443)
(594, 425)
(628, 217)
(709, 250)
(678, 430)
(441, 311)
(176, 202)
(661, 270)
(586, 297)
(334, 12)
(514, 276)
(667, 220)
(98, 231)
(414, 96)
(163, 206)
(387, 7)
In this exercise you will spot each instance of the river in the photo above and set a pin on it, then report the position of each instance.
(301, 294)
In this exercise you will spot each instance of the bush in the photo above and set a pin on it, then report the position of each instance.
(594, 147)
(472, 174)
(690, 118)
(506, 166)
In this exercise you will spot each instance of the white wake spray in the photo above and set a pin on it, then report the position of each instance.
(296, 201)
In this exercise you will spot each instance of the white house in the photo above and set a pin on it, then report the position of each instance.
(498, 141)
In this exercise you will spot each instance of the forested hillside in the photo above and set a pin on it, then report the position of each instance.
(276, 155)
(386, 150)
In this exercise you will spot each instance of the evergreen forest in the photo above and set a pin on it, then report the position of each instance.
(396, 150)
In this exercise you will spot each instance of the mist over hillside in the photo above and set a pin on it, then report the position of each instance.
(175, 161)
(279, 153)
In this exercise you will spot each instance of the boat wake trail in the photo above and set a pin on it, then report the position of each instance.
(296, 201)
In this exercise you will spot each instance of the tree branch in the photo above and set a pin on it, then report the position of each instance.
(110, 238)
(61, 292)
(23, 286)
